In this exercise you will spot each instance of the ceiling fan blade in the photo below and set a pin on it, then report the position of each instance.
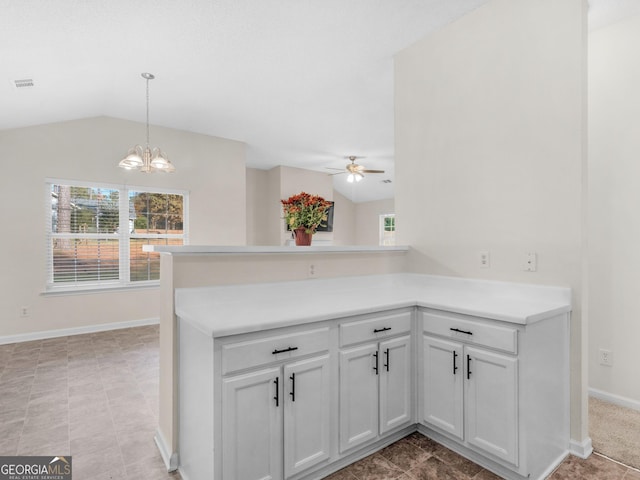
(331, 168)
(337, 173)
(371, 171)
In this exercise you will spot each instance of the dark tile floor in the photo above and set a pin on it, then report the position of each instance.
(418, 458)
(95, 397)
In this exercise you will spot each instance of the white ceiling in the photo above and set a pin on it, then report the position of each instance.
(302, 82)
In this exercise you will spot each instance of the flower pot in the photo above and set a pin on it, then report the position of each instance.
(302, 237)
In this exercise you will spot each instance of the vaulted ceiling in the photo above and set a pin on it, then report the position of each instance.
(303, 82)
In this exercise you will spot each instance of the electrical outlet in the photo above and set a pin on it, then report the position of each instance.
(531, 262)
(312, 270)
(606, 357)
(484, 259)
(24, 312)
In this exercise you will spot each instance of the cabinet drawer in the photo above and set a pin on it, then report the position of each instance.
(264, 350)
(476, 332)
(375, 328)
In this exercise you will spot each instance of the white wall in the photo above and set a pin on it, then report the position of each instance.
(257, 207)
(344, 220)
(491, 152)
(265, 189)
(296, 180)
(354, 223)
(368, 220)
(614, 200)
(212, 169)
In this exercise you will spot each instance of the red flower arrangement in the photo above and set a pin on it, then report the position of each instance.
(305, 211)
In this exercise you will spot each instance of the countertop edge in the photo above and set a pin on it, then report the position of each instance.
(257, 250)
(511, 303)
(291, 322)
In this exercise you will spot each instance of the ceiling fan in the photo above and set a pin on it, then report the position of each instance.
(354, 170)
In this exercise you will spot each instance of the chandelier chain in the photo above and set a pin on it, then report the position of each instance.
(148, 113)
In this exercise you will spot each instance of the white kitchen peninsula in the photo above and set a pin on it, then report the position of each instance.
(297, 379)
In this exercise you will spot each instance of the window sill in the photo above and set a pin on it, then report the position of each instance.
(62, 291)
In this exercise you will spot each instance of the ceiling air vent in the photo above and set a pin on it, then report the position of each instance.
(386, 180)
(24, 83)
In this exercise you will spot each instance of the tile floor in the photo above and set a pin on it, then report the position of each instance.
(95, 397)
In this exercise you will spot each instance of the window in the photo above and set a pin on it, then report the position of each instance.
(96, 234)
(388, 229)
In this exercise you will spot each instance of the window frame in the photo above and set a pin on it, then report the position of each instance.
(382, 229)
(124, 237)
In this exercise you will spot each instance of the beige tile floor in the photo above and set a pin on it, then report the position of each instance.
(95, 397)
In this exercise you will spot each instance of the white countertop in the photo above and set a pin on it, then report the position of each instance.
(234, 309)
(251, 250)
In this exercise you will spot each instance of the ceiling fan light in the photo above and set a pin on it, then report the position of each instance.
(350, 178)
(358, 177)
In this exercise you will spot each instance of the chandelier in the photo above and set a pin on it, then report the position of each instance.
(147, 160)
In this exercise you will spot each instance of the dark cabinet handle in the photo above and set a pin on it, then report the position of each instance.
(378, 330)
(455, 367)
(375, 368)
(290, 349)
(277, 397)
(293, 387)
(386, 354)
(461, 331)
(468, 367)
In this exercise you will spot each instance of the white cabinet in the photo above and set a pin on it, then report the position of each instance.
(467, 383)
(396, 383)
(275, 421)
(306, 406)
(358, 396)
(257, 444)
(496, 392)
(442, 400)
(252, 426)
(293, 403)
(491, 396)
(376, 383)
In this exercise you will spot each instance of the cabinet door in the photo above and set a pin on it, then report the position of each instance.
(492, 403)
(252, 426)
(395, 383)
(442, 385)
(306, 414)
(358, 396)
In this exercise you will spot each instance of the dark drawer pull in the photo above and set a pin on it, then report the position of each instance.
(293, 387)
(277, 397)
(386, 354)
(455, 367)
(378, 330)
(290, 349)
(461, 331)
(375, 368)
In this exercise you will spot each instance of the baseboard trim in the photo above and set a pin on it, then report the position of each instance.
(581, 449)
(615, 399)
(170, 459)
(64, 332)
